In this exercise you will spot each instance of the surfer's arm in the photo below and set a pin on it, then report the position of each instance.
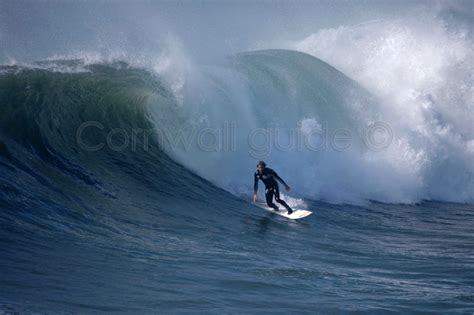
(255, 184)
(255, 188)
(280, 180)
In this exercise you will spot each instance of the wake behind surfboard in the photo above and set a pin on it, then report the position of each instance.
(297, 213)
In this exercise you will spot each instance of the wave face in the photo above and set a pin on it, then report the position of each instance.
(117, 195)
(44, 112)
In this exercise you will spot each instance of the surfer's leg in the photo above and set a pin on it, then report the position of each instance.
(269, 198)
(282, 202)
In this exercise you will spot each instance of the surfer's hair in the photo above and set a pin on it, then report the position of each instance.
(262, 163)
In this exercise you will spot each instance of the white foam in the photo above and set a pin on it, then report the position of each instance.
(422, 73)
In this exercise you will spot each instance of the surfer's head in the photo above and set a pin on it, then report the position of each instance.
(261, 166)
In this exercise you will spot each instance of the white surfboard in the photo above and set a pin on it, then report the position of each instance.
(297, 213)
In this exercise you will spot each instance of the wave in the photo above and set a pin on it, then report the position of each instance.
(303, 116)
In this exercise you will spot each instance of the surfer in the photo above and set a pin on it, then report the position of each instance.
(268, 176)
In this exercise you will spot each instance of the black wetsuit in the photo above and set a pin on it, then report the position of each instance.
(269, 178)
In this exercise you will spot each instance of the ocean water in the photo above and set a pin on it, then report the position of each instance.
(125, 182)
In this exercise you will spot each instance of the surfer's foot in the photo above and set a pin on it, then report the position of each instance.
(290, 211)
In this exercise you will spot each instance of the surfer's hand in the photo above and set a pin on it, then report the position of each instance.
(254, 199)
(287, 188)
